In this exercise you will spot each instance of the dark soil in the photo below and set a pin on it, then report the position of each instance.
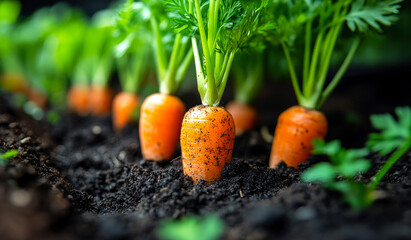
(79, 180)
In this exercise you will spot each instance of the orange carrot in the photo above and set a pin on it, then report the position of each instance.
(207, 141)
(14, 83)
(245, 117)
(124, 106)
(37, 97)
(100, 99)
(296, 128)
(77, 98)
(160, 124)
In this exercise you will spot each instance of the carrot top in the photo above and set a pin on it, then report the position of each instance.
(173, 55)
(323, 22)
(223, 28)
(133, 49)
(248, 70)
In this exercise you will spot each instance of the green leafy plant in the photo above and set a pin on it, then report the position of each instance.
(223, 28)
(173, 54)
(192, 228)
(4, 157)
(345, 164)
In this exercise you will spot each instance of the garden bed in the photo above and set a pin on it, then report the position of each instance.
(80, 180)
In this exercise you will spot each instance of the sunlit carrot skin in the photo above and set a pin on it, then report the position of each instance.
(245, 117)
(160, 124)
(296, 128)
(78, 99)
(207, 141)
(124, 106)
(100, 100)
(14, 83)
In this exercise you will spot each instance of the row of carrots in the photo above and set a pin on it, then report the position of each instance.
(219, 37)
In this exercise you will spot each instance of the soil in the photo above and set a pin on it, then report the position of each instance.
(80, 180)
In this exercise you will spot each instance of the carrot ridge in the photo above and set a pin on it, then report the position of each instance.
(207, 141)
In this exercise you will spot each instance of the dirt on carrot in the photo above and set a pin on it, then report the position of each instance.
(296, 128)
(160, 124)
(207, 141)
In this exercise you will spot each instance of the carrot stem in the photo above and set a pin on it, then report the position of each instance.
(293, 75)
(338, 76)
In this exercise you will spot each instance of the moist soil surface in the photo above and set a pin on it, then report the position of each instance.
(80, 180)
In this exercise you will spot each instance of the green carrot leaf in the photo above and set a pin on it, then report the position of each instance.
(393, 133)
(365, 14)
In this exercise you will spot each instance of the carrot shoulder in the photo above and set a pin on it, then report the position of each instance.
(207, 141)
(124, 106)
(160, 123)
(245, 117)
(296, 128)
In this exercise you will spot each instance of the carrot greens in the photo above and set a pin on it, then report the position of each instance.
(248, 70)
(172, 51)
(320, 24)
(133, 50)
(10, 61)
(223, 28)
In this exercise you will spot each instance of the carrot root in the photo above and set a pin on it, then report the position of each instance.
(78, 99)
(160, 125)
(124, 106)
(207, 141)
(296, 128)
(245, 117)
(100, 100)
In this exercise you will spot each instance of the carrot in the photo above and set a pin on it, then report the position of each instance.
(296, 128)
(77, 98)
(100, 99)
(160, 124)
(207, 141)
(14, 83)
(124, 106)
(245, 117)
(208, 131)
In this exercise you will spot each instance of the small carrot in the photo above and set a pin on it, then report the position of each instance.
(37, 97)
(124, 106)
(160, 124)
(245, 117)
(207, 141)
(296, 128)
(161, 114)
(100, 99)
(77, 98)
